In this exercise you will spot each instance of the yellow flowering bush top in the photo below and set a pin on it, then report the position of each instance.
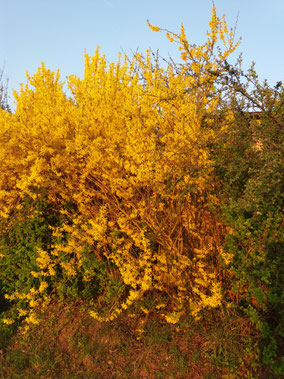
(128, 151)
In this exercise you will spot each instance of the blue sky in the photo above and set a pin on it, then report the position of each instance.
(59, 31)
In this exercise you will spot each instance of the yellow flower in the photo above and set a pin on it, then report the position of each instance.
(146, 311)
(32, 319)
(33, 303)
(153, 27)
(7, 321)
(69, 268)
(43, 286)
(22, 312)
(173, 317)
(35, 274)
(170, 37)
(162, 305)
(44, 259)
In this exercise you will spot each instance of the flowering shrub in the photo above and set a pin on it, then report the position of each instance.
(149, 179)
(129, 153)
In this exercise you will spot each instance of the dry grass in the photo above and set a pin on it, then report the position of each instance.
(70, 344)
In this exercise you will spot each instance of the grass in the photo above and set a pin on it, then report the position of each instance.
(70, 344)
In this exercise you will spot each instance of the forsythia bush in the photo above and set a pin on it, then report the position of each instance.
(126, 161)
(148, 179)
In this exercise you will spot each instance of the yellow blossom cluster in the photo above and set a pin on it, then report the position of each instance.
(36, 301)
(128, 150)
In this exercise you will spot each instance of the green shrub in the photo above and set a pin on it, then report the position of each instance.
(249, 172)
(20, 236)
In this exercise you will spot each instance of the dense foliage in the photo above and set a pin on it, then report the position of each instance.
(249, 165)
(148, 179)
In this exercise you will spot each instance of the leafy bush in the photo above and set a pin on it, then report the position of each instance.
(20, 237)
(28, 277)
(248, 158)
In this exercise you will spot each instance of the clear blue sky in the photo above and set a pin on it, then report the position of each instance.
(59, 31)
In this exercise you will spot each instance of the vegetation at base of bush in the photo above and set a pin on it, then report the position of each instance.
(151, 186)
(70, 343)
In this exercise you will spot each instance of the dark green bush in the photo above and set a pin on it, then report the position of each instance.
(249, 172)
(20, 236)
